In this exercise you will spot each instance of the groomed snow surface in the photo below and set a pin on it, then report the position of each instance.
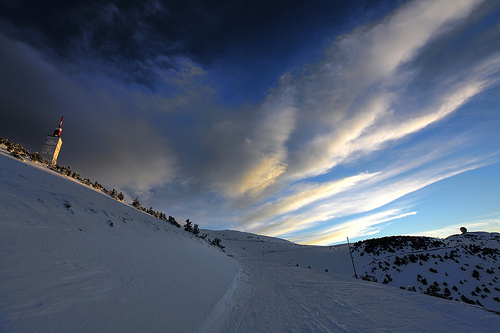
(76, 260)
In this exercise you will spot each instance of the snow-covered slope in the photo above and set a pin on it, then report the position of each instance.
(64, 268)
(75, 260)
(461, 267)
(242, 245)
(286, 287)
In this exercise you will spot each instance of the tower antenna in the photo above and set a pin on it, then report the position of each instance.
(58, 130)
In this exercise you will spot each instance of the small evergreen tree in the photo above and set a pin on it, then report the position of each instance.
(217, 242)
(136, 203)
(36, 157)
(196, 230)
(188, 226)
(173, 221)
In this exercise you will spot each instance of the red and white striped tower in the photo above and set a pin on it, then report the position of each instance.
(52, 145)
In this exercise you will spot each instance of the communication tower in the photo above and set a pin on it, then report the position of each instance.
(52, 145)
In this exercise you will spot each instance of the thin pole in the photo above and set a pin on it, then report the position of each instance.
(352, 260)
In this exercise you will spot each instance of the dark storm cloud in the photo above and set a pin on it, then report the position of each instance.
(135, 39)
(104, 131)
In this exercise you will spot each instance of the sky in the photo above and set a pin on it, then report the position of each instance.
(311, 121)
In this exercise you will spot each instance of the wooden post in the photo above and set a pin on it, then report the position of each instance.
(352, 260)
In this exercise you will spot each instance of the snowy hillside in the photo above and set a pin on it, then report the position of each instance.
(241, 245)
(461, 267)
(76, 260)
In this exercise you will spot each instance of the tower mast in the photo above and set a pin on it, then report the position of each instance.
(52, 146)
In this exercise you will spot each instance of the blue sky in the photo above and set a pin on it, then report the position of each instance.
(307, 120)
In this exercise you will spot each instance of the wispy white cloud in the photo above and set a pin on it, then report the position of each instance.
(357, 90)
(358, 227)
(374, 192)
(347, 103)
(347, 106)
(303, 195)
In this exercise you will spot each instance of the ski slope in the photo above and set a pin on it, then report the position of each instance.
(276, 298)
(285, 287)
(460, 268)
(75, 260)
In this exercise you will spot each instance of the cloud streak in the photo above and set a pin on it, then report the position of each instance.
(359, 89)
(375, 192)
(355, 98)
(363, 226)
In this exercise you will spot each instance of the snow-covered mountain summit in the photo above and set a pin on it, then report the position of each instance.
(73, 259)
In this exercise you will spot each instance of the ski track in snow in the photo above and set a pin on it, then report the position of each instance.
(224, 303)
(278, 298)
